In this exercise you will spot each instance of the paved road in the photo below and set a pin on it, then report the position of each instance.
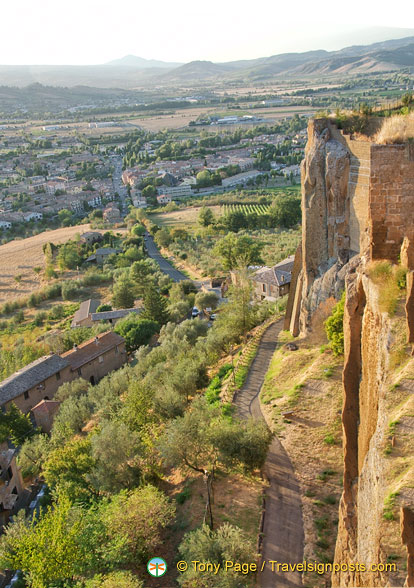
(165, 266)
(283, 524)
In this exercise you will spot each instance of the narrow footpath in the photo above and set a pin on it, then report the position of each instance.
(283, 539)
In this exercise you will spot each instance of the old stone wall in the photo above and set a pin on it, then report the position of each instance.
(391, 199)
(358, 206)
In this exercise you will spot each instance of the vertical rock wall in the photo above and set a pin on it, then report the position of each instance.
(358, 206)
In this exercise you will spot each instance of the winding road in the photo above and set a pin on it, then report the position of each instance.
(165, 266)
(283, 539)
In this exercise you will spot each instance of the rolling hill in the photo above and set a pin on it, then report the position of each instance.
(135, 72)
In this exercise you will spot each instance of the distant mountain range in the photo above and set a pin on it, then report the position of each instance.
(135, 72)
(141, 63)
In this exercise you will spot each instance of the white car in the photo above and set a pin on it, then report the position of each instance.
(195, 312)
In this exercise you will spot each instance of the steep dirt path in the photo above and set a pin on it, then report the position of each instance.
(283, 525)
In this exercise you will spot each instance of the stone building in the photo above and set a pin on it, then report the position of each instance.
(82, 317)
(271, 283)
(43, 414)
(39, 380)
(95, 358)
(11, 483)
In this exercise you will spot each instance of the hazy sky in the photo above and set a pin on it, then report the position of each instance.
(97, 31)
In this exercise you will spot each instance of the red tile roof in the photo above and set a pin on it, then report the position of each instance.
(93, 348)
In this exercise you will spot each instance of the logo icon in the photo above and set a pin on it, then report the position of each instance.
(156, 567)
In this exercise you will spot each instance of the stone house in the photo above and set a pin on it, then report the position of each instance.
(37, 381)
(95, 358)
(101, 254)
(271, 283)
(92, 360)
(113, 316)
(91, 237)
(82, 317)
(44, 413)
(11, 482)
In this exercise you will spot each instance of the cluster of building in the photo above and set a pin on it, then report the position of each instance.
(25, 197)
(178, 178)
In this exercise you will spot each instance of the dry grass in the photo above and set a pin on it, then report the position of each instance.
(390, 280)
(19, 257)
(308, 383)
(396, 129)
(181, 219)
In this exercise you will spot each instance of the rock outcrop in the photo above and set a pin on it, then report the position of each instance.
(358, 207)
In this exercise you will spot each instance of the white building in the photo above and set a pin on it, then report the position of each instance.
(163, 199)
(180, 191)
(33, 216)
(240, 179)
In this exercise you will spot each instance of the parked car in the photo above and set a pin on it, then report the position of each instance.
(195, 312)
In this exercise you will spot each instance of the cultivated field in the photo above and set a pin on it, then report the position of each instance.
(246, 209)
(182, 219)
(19, 257)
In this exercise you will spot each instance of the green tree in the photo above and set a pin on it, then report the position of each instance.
(104, 308)
(33, 454)
(228, 543)
(238, 251)
(206, 216)
(136, 331)
(235, 221)
(334, 327)
(68, 256)
(15, 425)
(141, 271)
(206, 300)
(46, 549)
(115, 451)
(65, 217)
(149, 191)
(138, 230)
(285, 211)
(163, 237)
(136, 519)
(67, 470)
(123, 294)
(155, 306)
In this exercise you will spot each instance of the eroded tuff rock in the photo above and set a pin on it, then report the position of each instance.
(358, 207)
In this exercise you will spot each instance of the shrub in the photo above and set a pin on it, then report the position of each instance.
(395, 129)
(50, 272)
(71, 290)
(39, 318)
(390, 279)
(334, 327)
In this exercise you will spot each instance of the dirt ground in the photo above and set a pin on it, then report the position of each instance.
(182, 218)
(19, 257)
(303, 398)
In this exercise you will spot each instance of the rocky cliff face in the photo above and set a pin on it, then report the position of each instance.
(326, 214)
(378, 394)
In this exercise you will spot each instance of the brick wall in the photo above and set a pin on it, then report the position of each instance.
(391, 199)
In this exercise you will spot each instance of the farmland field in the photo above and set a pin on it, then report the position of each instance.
(19, 257)
(184, 218)
(246, 209)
